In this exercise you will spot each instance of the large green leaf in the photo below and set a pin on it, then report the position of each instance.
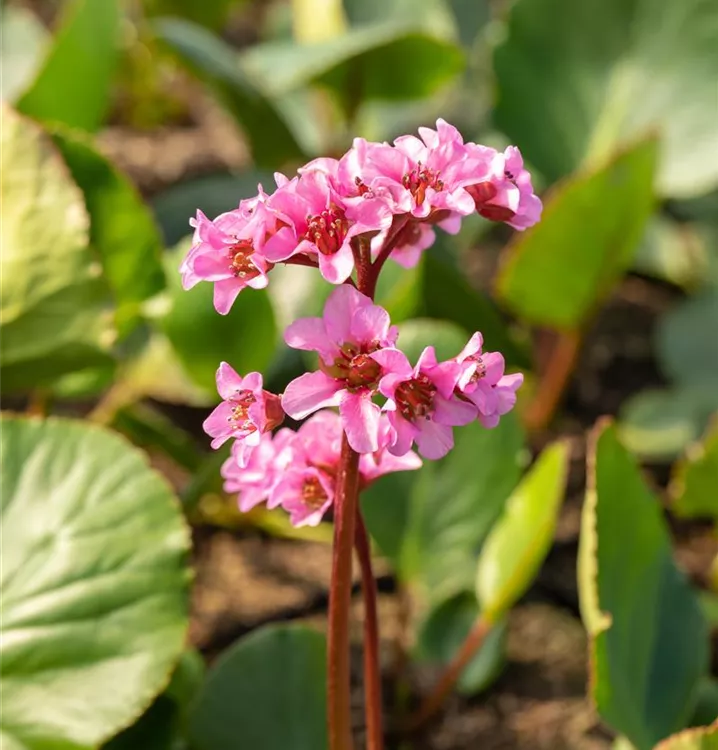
(702, 738)
(368, 62)
(649, 639)
(202, 338)
(267, 692)
(211, 13)
(23, 40)
(520, 539)
(695, 478)
(268, 132)
(557, 272)
(577, 79)
(687, 342)
(73, 86)
(431, 523)
(213, 195)
(54, 311)
(94, 584)
(122, 228)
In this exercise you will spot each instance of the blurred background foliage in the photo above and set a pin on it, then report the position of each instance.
(122, 117)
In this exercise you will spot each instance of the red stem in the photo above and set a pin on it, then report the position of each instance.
(338, 661)
(389, 244)
(372, 666)
(431, 704)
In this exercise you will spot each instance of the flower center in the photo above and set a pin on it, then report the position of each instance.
(355, 367)
(480, 370)
(482, 193)
(419, 180)
(313, 494)
(240, 260)
(415, 398)
(239, 417)
(327, 230)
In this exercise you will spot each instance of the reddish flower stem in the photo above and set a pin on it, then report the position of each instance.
(560, 365)
(338, 662)
(372, 665)
(431, 704)
(389, 244)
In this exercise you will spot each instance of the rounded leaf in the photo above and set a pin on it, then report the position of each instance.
(93, 583)
(267, 692)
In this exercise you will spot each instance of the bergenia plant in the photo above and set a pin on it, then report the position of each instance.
(346, 217)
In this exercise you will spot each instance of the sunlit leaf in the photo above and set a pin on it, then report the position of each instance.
(73, 85)
(578, 79)
(695, 478)
(520, 539)
(649, 639)
(94, 584)
(22, 45)
(55, 313)
(559, 271)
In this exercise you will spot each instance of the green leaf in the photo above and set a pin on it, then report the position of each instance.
(202, 338)
(446, 294)
(73, 86)
(267, 692)
(212, 14)
(706, 708)
(673, 252)
(702, 738)
(213, 195)
(431, 523)
(558, 272)
(658, 424)
(578, 80)
(687, 342)
(430, 14)
(270, 137)
(162, 726)
(367, 63)
(445, 629)
(649, 639)
(122, 228)
(22, 45)
(694, 486)
(521, 538)
(94, 588)
(52, 313)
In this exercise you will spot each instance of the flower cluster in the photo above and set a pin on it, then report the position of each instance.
(298, 470)
(375, 202)
(375, 193)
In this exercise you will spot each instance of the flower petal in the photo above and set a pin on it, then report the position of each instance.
(434, 440)
(360, 419)
(309, 392)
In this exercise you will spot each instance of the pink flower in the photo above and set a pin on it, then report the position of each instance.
(307, 485)
(228, 252)
(351, 329)
(505, 192)
(245, 413)
(316, 221)
(421, 403)
(483, 382)
(413, 240)
(255, 481)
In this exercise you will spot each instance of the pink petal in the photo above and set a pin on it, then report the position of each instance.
(434, 440)
(494, 364)
(339, 309)
(309, 334)
(404, 434)
(228, 381)
(453, 411)
(360, 419)
(370, 323)
(338, 267)
(309, 392)
(394, 362)
(225, 293)
(472, 347)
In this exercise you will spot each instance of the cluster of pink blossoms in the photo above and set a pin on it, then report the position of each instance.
(374, 191)
(377, 201)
